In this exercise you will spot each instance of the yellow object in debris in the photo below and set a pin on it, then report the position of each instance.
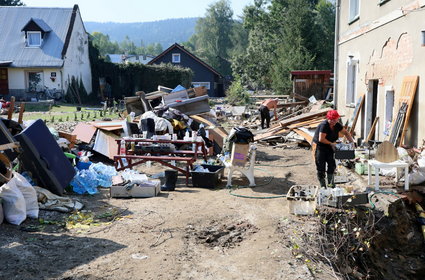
(421, 215)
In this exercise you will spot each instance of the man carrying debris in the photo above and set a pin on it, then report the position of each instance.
(325, 136)
(265, 108)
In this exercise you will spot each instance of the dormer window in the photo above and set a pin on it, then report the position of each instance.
(176, 58)
(36, 30)
(33, 39)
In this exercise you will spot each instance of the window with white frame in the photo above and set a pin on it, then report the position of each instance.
(201, 84)
(389, 107)
(352, 68)
(354, 10)
(34, 81)
(176, 58)
(33, 39)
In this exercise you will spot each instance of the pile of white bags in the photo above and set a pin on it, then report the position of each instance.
(19, 199)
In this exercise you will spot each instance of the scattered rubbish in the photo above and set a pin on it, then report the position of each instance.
(138, 256)
(302, 199)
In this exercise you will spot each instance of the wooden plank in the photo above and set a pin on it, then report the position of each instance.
(311, 122)
(72, 138)
(21, 112)
(9, 146)
(305, 135)
(270, 134)
(11, 108)
(407, 95)
(216, 132)
(304, 117)
(84, 132)
(372, 130)
(356, 113)
(289, 104)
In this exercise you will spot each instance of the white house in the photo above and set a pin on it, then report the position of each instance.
(380, 49)
(42, 48)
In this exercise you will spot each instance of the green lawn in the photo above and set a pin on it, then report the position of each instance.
(62, 113)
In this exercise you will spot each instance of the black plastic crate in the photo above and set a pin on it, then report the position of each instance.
(348, 200)
(344, 154)
(207, 179)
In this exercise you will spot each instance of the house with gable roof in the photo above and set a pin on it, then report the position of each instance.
(42, 48)
(204, 74)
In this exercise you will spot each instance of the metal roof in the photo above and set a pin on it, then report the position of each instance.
(43, 26)
(12, 39)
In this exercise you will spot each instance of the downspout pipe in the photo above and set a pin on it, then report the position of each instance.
(336, 52)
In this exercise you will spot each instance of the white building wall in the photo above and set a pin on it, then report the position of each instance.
(387, 41)
(77, 61)
(16, 78)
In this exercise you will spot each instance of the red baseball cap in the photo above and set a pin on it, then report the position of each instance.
(332, 115)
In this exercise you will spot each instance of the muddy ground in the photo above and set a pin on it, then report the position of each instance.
(196, 233)
(191, 233)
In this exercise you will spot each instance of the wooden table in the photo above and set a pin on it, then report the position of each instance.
(162, 157)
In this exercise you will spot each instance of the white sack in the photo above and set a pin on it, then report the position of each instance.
(29, 193)
(13, 203)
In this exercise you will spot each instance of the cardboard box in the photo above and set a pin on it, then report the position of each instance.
(239, 154)
(146, 189)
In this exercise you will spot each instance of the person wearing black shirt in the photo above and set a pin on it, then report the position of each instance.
(325, 137)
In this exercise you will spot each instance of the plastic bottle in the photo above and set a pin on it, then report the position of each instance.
(186, 135)
(122, 148)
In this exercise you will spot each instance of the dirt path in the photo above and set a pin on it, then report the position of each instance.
(190, 233)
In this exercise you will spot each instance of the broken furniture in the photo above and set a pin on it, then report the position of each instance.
(239, 163)
(44, 159)
(377, 165)
(162, 156)
(192, 106)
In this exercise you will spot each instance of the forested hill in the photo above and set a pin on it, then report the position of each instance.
(166, 32)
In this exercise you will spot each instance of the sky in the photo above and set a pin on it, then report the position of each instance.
(138, 10)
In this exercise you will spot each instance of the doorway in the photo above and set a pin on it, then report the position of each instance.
(371, 107)
(4, 84)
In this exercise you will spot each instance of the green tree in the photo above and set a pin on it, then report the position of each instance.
(213, 36)
(285, 35)
(296, 51)
(253, 65)
(128, 46)
(324, 34)
(103, 44)
(11, 3)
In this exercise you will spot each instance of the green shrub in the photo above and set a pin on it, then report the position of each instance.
(237, 95)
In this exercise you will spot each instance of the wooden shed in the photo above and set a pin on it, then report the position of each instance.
(312, 82)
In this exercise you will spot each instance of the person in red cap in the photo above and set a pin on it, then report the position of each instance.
(325, 138)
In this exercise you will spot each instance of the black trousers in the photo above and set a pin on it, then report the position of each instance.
(265, 115)
(325, 156)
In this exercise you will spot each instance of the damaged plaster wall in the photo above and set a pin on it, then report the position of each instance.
(386, 53)
(77, 61)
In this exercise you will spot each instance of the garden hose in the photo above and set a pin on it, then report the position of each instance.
(233, 187)
(384, 192)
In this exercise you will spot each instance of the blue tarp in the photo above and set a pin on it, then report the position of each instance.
(178, 88)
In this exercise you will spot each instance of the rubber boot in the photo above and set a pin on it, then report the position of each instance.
(322, 179)
(170, 180)
(331, 180)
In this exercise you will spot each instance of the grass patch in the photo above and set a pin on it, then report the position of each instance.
(64, 113)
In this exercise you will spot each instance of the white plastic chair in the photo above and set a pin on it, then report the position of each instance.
(247, 170)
